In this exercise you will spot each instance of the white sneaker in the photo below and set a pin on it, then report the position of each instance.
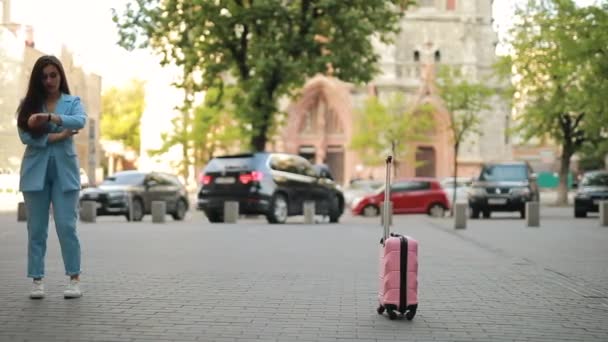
(73, 289)
(37, 290)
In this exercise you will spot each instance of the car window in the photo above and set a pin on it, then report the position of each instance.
(304, 167)
(168, 179)
(504, 173)
(596, 179)
(239, 163)
(124, 179)
(283, 162)
(410, 186)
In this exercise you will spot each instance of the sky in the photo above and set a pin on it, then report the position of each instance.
(86, 27)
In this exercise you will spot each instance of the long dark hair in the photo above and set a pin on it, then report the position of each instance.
(36, 94)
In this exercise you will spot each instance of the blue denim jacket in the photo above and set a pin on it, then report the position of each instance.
(39, 150)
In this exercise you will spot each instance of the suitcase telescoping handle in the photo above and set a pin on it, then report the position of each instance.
(387, 199)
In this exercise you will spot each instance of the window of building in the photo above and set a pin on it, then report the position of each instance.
(437, 56)
(416, 56)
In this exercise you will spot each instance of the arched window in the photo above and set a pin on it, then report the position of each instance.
(437, 56)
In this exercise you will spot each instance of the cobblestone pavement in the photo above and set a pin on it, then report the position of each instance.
(192, 281)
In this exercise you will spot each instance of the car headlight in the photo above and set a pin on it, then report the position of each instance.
(520, 191)
(477, 191)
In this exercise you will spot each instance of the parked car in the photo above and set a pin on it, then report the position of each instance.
(592, 189)
(84, 179)
(505, 186)
(115, 193)
(359, 188)
(462, 188)
(409, 196)
(272, 184)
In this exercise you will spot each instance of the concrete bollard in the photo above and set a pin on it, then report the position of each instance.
(88, 211)
(309, 212)
(604, 213)
(390, 214)
(21, 212)
(460, 215)
(231, 211)
(533, 214)
(159, 210)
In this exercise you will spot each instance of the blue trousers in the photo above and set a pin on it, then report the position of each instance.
(65, 213)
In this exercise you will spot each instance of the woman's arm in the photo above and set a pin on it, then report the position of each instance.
(66, 133)
(45, 139)
(76, 119)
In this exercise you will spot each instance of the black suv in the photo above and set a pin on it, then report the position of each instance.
(503, 187)
(272, 184)
(592, 189)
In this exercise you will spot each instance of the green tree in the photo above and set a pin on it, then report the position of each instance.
(388, 129)
(561, 62)
(267, 48)
(464, 101)
(122, 109)
(203, 130)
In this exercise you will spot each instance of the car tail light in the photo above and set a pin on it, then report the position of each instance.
(204, 179)
(254, 176)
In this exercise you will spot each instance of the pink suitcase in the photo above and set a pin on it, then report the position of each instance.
(398, 266)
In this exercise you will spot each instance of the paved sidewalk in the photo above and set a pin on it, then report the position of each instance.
(192, 281)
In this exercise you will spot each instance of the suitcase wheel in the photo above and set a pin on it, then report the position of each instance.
(380, 310)
(391, 314)
(410, 314)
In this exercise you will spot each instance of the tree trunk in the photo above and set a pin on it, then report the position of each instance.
(258, 142)
(564, 169)
(455, 177)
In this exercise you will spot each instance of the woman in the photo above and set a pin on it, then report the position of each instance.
(47, 119)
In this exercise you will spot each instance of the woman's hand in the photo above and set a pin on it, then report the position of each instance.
(66, 133)
(35, 121)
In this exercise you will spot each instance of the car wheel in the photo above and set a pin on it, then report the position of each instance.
(214, 216)
(436, 210)
(579, 213)
(279, 209)
(137, 210)
(370, 210)
(334, 210)
(487, 214)
(180, 210)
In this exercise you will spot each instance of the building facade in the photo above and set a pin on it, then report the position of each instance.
(437, 32)
(17, 57)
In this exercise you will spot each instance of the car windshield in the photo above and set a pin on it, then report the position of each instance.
(515, 173)
(124, 179)
(596, 179)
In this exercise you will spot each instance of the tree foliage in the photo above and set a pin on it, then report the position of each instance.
(561, 62)
(266, 48)
(382, 129)
(464, 101)
(121, 113)
(204, 130)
